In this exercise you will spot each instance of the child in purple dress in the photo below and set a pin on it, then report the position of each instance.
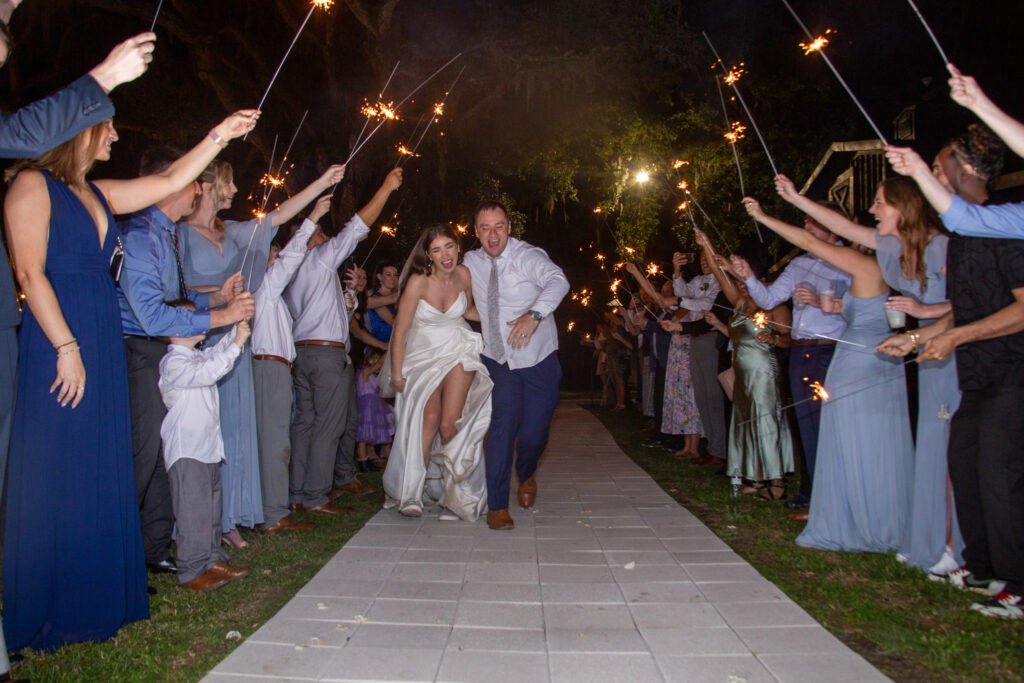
(376, 416)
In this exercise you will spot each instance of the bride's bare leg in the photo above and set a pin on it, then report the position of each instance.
(454, 389)
(431, 422)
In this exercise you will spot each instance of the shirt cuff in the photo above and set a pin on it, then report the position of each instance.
(955, 214)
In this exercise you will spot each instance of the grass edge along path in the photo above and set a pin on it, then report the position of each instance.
(187, 632)
(910, 628)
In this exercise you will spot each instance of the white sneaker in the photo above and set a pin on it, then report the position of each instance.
(901, 558)
(448, 516)
(411, 510)
(945, 565)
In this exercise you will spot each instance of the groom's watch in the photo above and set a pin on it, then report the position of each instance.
(535, 315)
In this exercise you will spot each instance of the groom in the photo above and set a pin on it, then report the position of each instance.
(516, 288)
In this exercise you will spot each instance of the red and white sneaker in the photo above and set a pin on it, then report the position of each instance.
(963, 578)
(1003, 605)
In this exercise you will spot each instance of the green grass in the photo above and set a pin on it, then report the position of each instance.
(185, 635)
(907, 626)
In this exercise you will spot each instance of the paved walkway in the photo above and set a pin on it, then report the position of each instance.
(606, 579)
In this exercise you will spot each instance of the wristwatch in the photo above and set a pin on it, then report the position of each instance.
(535, 315)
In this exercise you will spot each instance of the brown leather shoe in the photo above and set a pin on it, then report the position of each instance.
(294, 507)
(207, 582)
(353, 487)
(228, 572)
(330, 509)
(286, 523)
(528, 492)
(500, 519)
(799, 515)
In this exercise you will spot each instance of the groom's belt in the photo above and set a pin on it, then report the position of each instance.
(812, 342)
(320, 342)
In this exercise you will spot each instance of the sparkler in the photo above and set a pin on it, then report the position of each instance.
(572, 326)
(942, 53)
(760, 320)
(322, 4)
(367, 109)
(653, 269)
(730, 77)
(735, 133)
(437, 112)
(161, 4)
(819, 391)
(817, 44)
(384, 230)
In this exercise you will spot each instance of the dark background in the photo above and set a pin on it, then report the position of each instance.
(560, 103)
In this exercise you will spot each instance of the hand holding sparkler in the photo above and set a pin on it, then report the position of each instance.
(741, 267)
(786, 189)
(320, 209)
(898, 345)
(232, 287)
(964, 90)
(239, 123)
(906, 161)
(126, 62)
(753, 207)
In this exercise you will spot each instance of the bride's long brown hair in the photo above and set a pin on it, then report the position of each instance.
(419, 259)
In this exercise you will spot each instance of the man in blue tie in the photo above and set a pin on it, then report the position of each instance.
(516, 287)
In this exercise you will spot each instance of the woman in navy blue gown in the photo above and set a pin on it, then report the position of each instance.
(73, 565)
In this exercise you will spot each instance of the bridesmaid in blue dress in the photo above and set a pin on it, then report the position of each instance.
(911, 252)
(861, 495)
(73, 564)
(212, 250)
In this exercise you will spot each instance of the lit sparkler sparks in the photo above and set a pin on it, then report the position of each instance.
(387, 230)
(405, 151)
(619, 265)
(572, 326)
(819, 391)
(734, 74)
(760, 320)
(461, 229)
(818, 43)
(682, 206)
(683, 185)
(653, 269)
(630, 250)
(258, 214)
(600, 258)
(679, 163)
(272, 180)
(439, 109)
(598, 209)
(735, 132)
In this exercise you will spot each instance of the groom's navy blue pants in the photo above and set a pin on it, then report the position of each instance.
(522, 404)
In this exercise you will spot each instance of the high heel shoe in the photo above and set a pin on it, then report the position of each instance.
(233, 539)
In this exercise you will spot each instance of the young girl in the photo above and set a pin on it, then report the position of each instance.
(376, 417)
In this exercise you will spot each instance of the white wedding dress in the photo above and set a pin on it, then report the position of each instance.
(438, 341)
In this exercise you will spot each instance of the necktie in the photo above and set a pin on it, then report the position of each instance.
(177, 262)
(494, 339)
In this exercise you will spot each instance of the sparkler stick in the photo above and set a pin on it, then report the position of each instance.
(438, 110)
(942, 53)
(316, 3)
(161, 4)
(735, 152)
(380, 97)
(288, 149)
(268, 186)
(818, 45)
(732, 83)
(384, 230)
(762, 321)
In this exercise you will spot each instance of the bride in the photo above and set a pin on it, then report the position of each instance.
(443, 391)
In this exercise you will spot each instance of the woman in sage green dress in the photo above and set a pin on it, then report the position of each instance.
(760, 443)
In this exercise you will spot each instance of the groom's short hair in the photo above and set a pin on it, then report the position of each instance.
(487, 205)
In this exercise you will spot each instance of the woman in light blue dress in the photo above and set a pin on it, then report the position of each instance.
(211, 251)
(912, 257)
(862, 480)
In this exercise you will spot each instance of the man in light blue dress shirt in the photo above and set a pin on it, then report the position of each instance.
(803, 280)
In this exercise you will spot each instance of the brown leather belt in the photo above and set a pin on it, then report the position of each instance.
(812, 342)
(268, 356)
(320, 342)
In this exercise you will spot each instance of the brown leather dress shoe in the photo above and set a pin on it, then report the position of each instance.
(528, 492)
(294, 507)
(207, 582)
(500, 519)
(329, 509)
(799, 515)
(286, 523)
(353, 487)
(228, 572)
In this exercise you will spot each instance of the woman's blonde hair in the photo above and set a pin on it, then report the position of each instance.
(68, 162)
(219, 174)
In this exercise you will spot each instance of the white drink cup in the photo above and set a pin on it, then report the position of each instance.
(825, 298)
(897, 319)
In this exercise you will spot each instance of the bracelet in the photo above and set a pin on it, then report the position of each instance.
(73, 349)
(217, 140)
(915, 338)
(60, 346)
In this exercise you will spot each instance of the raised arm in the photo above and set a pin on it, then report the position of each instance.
(906, 161)
(646, 285)
(728, 287)
(371, 212)
(833, 220)
(414, 290)
(291, 206)
(965, 91)
(126, 196)
(862, 268)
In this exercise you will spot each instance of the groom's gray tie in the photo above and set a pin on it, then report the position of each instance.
(494, 339)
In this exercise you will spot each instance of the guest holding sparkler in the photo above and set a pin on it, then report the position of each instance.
(213, 249)
(861, 495)
(380, 303)
(760, 443)
(910, 246)
(986, 330)
(814, 329)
